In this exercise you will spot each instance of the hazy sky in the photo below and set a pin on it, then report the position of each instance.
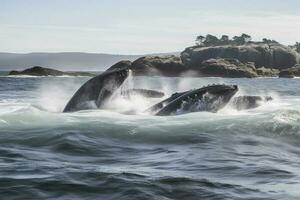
(139, 26)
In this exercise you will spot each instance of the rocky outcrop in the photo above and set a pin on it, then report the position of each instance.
(267, 72)
(172, 66)
(42, 71)
(251, 60)
(270, 56)
(155, 65)
(231, 68)
(290, 72)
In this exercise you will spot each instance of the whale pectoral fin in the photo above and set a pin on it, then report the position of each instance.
(143, 92)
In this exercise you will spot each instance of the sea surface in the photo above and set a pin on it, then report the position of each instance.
(104, 154)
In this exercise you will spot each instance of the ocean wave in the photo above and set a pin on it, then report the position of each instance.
(100, 154)
(277, 122)
(95, 185)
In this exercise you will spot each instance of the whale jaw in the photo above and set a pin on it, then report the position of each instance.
(209, 99)
(97, 90)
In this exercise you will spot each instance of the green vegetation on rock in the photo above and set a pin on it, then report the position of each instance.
(211, 40)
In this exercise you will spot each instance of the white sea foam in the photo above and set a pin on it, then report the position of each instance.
(43, 106)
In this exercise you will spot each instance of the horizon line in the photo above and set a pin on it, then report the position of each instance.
(86, 52)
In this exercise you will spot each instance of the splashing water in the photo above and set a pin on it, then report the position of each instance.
(130, 104)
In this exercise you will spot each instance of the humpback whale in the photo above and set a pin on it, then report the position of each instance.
(97, 90)
(155, 108)
(211, 99)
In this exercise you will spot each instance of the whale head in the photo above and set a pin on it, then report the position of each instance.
(210, 98)
(97, 90)
(112, 81)
(223, 90)
(117, 75)
(220, 95)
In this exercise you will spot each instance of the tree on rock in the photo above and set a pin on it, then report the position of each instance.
(241, 40)
(297, 47)
(238, 40)
(211, 40)
(266, 41)
(199, 40)
(224, 39)
(247, 38)
(269, 42)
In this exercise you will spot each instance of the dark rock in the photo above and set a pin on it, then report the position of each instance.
(42, 71)
(172, 66)
(249, 102)
(155, 65)
(270, 56)
(14, 72)
(286, 74)
(249, 61)
(231, 68)
(269, 72)
(290, 72)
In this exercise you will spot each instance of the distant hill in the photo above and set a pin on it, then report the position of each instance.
(72, 61)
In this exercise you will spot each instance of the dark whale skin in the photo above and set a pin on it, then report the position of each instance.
(155, 108)
(97, 90)
(211, 99)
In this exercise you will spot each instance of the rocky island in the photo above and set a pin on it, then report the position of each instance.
(236, 57)
(42, 71)
(212, 57)
(290, 72)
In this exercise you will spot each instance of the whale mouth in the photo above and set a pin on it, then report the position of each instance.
(124, 73)
(232, 90)
(97, 90)
(118, 76)
(222, 89)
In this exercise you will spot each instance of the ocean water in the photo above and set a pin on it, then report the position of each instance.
(104, 154)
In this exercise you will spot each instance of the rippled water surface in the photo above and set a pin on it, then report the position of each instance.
(97, 154)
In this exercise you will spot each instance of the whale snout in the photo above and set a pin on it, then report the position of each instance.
(124, 73)
(226, 88)
(121, 74)
(230, 87)
(235, 88)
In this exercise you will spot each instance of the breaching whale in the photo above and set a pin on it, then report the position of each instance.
(97, 90)
(211, 99)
